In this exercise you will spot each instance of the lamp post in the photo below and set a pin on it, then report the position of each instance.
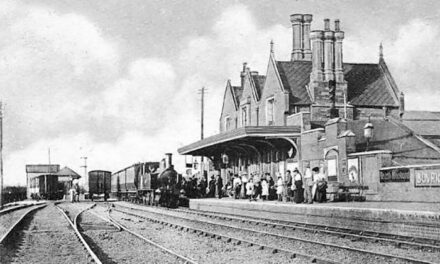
(368, 132)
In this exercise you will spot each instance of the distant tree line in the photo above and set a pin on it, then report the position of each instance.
(13, 194)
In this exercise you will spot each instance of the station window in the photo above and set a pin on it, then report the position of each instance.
(244, 116)
(270, 111)
(227, 123)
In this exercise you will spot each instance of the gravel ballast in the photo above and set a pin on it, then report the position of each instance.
(339, 255)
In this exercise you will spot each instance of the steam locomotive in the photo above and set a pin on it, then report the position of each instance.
(151, 183)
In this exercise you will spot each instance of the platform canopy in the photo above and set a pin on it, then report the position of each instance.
(245, 139)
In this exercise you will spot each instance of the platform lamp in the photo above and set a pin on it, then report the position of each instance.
(225, 159)
(368, 132)
(195, 164)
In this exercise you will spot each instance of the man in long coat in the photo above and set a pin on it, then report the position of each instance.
(218, 186)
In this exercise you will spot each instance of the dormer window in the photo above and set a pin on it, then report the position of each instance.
(270, 111)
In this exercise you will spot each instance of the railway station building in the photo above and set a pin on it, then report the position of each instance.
(48, 178)
(315, 110)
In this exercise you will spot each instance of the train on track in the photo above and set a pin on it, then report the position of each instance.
(151, 183)
(99, 184)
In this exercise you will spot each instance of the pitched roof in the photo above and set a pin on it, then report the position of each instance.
(421, 115)
(392, 135)
(423, 123)
(238, 91)
(367, 84)
(295, 75)
(259, 83)
(66, 171)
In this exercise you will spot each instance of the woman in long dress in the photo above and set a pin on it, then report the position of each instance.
(298, 192)
(264, 189)
(280, 189)
(250, 189)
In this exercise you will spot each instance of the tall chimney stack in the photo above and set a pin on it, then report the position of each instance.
(339, 66)
(297, 40)
(328, 51)
(307, 51)
(317, 50)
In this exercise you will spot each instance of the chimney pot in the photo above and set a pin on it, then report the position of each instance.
(317, 54)
(297, 40)
(307, 50)
(327, 24)
(337, 27)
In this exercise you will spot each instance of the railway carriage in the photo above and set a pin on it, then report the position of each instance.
(136, 182)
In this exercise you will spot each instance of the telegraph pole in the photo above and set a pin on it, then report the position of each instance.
(202, 112)
(1, 155)
(86, 183)
(202, 115)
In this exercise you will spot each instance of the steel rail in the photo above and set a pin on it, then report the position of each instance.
(292, 254)
(293, 238)
(74, 225)
(186, 259)
(3, 238)
(15, 208)
(320, 228)
(107, 220)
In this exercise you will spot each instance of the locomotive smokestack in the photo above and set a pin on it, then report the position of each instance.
(168, 160)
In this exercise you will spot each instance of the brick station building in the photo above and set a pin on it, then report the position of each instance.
(316, 110)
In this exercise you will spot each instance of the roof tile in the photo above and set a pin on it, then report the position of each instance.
(367, 85)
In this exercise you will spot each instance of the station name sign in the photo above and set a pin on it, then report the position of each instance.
(395, 175)
(425, 177)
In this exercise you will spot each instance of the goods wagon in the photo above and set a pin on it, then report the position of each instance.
(99, 183)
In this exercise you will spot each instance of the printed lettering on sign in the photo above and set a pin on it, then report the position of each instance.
(427, 177)
(395, 175)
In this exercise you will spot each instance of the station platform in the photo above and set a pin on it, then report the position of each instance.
(401, 218)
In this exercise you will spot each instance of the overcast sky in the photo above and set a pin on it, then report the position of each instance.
(117, 81)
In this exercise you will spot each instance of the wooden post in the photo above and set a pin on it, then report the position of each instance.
(1, 155)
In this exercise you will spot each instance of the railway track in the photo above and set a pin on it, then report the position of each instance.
(238, 240)
(164, 218)
(112, 242)
(206, 247)
(151, 242)
(43, 235)
(396, 240)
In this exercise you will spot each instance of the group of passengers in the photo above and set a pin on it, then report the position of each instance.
(199, 188)
(294, 187)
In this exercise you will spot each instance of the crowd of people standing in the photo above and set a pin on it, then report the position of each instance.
(295, 187)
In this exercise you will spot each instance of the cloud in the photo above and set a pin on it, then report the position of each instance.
(68, 90)
(414, 59)
(50, 64)
(136, 99)
(235, 38)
